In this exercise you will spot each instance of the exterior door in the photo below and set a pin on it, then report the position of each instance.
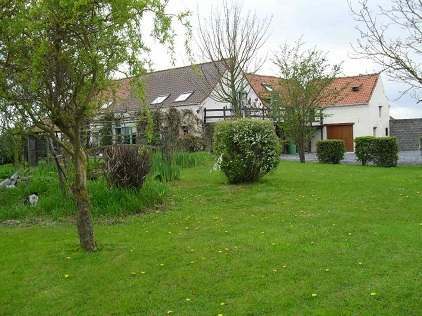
(344, 132)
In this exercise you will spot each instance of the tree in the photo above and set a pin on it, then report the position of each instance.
(57, 58)
(145, 126)
(231, 40)
(392, 38)
(305, 87)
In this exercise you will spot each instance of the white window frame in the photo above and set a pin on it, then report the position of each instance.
(184, 96)
(160, 99)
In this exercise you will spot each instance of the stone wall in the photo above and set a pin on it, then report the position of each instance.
(408, 132)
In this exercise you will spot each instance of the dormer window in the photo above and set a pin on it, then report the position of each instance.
(355, 87)
(183, 96)
(160, 99)
(267, 87)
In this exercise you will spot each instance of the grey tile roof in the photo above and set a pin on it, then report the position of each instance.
(199, 79)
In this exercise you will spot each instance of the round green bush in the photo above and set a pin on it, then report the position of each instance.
(247, 149)
(330, 151)
(385, 151)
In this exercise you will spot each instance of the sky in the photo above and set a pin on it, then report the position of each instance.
(325, 24)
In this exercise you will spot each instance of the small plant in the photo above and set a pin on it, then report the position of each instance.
(126, 166)
(191, 143)
(385, 151)
(164, 170)
(330, 151)
(248, 149)
(364, 149)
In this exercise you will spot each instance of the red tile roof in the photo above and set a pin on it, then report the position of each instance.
(365, 86)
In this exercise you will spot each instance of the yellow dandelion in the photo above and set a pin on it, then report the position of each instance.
(373, 294)
(66, 276)
(314, 295)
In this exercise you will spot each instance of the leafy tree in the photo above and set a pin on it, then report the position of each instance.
(106, 130)
(305, 80)
(58, 57)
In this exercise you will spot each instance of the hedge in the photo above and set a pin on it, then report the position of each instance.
(330, 151)
(382, 151)
(385, 151)
(363, 149)
(247, 149)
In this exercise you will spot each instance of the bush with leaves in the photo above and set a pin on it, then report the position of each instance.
(330, 151)
(247, 149)
(363, 149)
(191, 143)
(145, 126)
(385, 151)
(126, 166)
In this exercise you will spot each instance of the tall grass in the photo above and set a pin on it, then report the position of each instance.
(105, 201)
(167, 170)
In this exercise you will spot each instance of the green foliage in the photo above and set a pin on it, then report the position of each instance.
(106, 131)
(248, 149)
(363, 149)
(297, 102)
(385, 151)
(6, 171)
(105, 200)
(7, 145)
(126, 166)
(157, 118)
(330, 151)
(164, 170)
(191, 143)
(145, 126)
(189, 160)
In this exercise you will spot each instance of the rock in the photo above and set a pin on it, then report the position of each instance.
(32, 199)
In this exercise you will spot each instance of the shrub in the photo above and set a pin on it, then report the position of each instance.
(363, 149)
(191, 143)
(248, 149)
(126, 166)
(385, 151)
(330, 151)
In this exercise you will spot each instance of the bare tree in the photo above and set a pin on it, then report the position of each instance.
(232, 40)
(305, 88)
(392, 38)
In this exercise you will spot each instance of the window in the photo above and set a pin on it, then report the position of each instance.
(386, 131)
(268, 87)
(183, 97)
(379, 111)
(160, 99)
(374, 131)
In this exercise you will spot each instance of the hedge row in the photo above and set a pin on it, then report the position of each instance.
(330, 151)
(382, 151)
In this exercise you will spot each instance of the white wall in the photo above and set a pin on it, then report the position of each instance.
(363, 117)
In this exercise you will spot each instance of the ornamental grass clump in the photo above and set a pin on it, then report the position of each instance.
(247, 149)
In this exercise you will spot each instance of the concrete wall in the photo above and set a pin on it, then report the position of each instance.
(408, 133)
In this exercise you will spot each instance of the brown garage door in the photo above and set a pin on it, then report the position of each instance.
(344, 132)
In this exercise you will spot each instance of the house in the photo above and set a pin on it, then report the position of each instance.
(362, 109)
(190, 89)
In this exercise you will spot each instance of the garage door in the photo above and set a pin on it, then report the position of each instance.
(344, 132)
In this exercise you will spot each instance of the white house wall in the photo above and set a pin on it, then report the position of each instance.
(363, 117)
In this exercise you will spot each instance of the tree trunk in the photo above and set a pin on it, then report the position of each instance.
(301, 150)
(60, 172)
(80, 193)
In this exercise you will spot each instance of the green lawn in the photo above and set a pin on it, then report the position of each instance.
(307, 240)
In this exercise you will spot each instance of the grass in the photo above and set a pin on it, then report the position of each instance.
(53, 204)
(306, 240)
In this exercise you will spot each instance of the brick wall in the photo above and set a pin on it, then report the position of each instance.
(408, 132)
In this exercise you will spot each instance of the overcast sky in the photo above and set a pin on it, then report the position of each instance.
(326, 24)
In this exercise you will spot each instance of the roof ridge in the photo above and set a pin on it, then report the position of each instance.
(342, 77)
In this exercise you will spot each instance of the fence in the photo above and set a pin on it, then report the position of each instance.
(214, 115)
